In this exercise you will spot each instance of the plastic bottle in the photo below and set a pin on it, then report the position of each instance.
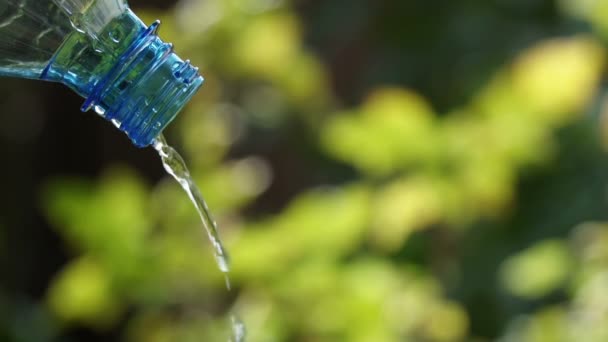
(102, 51)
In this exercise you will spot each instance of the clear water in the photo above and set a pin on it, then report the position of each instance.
(239, 331)
(174, 165)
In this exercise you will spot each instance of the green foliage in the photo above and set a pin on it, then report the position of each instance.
(342, 261)
(538, 270)
(395, 129)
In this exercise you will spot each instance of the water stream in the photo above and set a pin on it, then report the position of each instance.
(174, 165)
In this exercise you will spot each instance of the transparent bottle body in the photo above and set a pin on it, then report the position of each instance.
(31, 31)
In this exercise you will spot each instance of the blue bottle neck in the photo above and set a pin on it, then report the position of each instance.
(128, 75)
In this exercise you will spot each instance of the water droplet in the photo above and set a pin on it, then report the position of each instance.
(115, 35)
(99, 110)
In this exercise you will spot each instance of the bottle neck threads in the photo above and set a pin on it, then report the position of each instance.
(140, 90)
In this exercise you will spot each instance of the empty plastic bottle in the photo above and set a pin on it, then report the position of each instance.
(102, 51)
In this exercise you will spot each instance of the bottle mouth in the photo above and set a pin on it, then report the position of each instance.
(145, 89)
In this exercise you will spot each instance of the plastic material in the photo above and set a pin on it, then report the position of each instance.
(102, 51)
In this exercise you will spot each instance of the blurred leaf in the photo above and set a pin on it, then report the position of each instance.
(558, 77)
(321, 223)
(447, 322)
(394, 129)
(255, 54)
(538, 270)
(548, 326)
(83, 292)
(235, 184)
(404, 207)
(109, 220)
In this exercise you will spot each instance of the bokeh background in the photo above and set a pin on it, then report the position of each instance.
(405, 170)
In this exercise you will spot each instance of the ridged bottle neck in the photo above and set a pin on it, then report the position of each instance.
(128, 75)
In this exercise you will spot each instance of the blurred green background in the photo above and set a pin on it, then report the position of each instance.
(405, 170)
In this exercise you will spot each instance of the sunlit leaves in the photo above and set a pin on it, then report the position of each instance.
(236, 183)
(325, 223)
(108, 220)
(258, 54)
(211, 130)
(537, 271)
(382, 301)
(548, 325)
(393, 129)
(404, 207)
(83, 292)
(557, 78)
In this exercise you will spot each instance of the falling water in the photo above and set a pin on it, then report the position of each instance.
(174, 165)
(238, 329)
